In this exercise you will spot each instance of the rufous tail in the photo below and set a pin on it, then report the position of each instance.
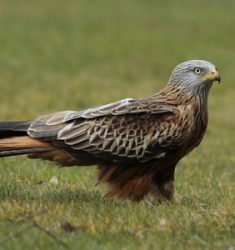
(15, 141)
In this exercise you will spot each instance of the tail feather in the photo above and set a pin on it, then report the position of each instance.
(20, 145)
(14, 128)
(27, 151)
(15, 141)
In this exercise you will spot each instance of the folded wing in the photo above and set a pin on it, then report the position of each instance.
(128, 130)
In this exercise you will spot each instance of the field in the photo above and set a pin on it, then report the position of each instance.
(70, 55)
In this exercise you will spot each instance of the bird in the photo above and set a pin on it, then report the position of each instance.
(135, 143)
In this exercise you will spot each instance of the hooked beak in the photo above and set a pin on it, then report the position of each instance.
(214, 76)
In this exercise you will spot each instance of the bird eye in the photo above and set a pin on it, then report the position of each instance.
(197, 71)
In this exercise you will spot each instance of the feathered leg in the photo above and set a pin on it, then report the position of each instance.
(163, 187)
(127, 182)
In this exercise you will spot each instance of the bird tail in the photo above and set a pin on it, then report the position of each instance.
(14, 140)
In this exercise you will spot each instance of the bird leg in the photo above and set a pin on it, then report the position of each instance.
(131, 182)
(162, 187)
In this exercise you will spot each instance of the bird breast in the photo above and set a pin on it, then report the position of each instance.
(194, 118)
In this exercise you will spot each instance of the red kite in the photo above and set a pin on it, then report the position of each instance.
(135, 143)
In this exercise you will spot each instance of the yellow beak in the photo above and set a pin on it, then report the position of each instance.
(213, 76)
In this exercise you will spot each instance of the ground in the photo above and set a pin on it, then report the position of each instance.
(70, 55)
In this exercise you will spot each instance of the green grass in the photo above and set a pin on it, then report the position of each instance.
(69, 55)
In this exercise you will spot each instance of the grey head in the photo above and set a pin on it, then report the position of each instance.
(195, 76)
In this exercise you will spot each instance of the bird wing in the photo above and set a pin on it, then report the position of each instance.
(121, 107)
(125, 130)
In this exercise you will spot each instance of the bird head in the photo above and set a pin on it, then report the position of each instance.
(195, 76)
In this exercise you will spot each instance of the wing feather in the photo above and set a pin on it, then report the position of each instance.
(127, 129)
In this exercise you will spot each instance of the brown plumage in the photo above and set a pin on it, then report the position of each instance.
(135, 143)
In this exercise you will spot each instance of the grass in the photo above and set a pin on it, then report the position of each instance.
(69, 55)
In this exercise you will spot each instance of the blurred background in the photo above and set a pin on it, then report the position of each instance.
(74, 54)
(57, 55)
